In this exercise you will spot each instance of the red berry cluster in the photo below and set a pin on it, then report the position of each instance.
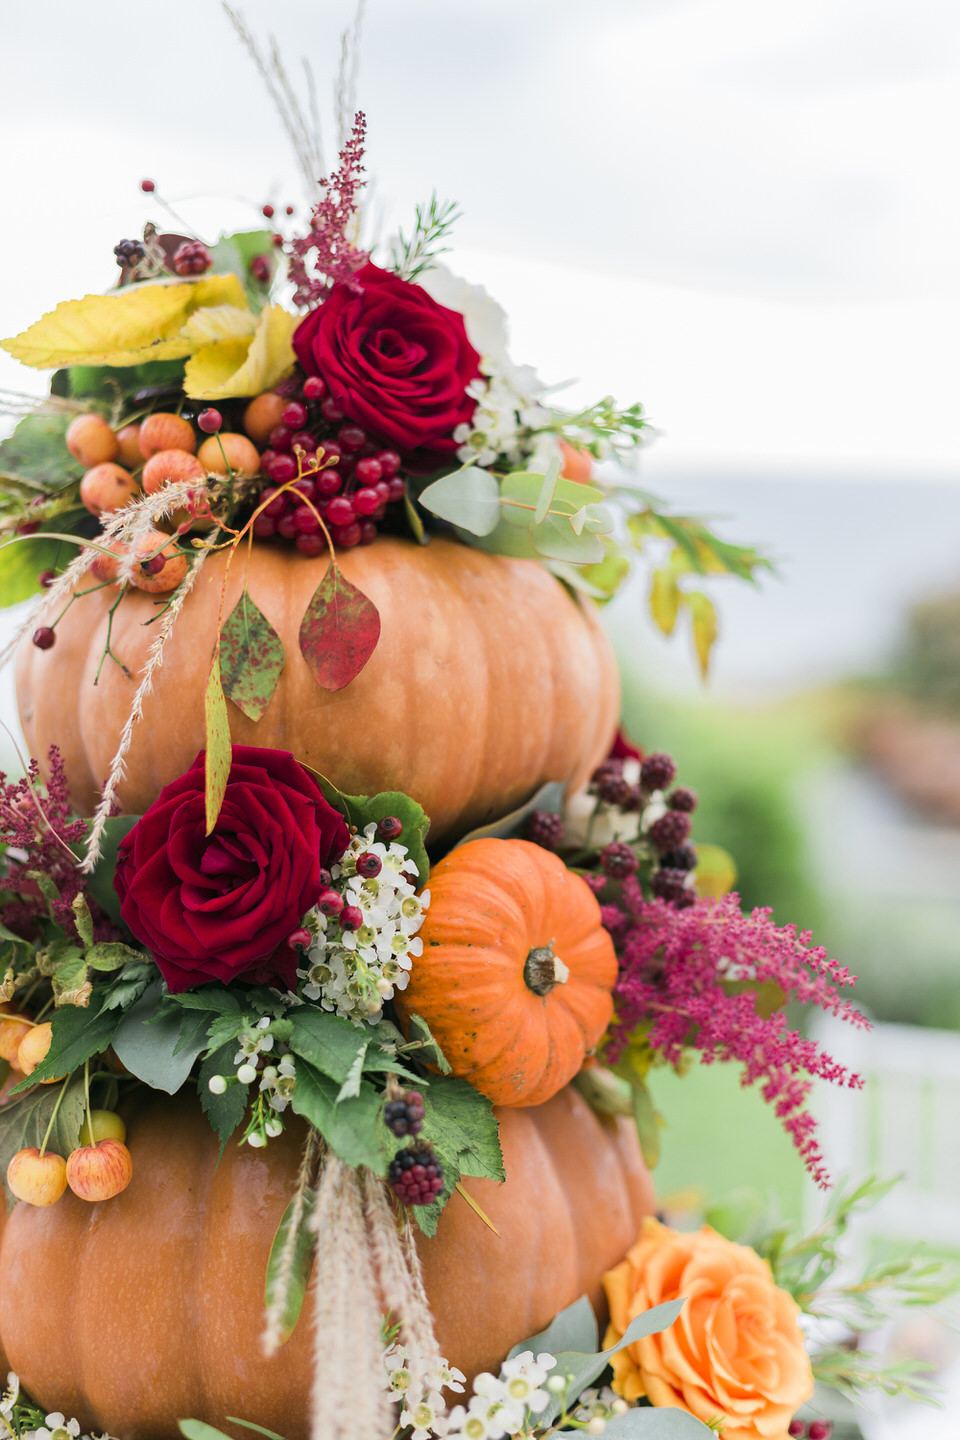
(404, 1115)
(192, 258)
(816, 1430)
(346, 479)
(416, 1175)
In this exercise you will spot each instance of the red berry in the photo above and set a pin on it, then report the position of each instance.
(682, 798)
(44, 637)
(346, 536)
(153, 564)
(327, 483)
(369, 865)
(148, 186)
(326, 879)
(267, 211)
(314, 388)
(820, 1430)
(330, 902)
(397, 488)
(260, 269)
(295, 415)
(351, 917)
(657, 771)
(390, 463)
(299, 940)
(670, 831)
(351, 437)
(277, 503)
(305, 440)
(331, 450)
(264, 527)
(306, 486)
(282, 468)
(305, 520)
(368, 532)
(281, 438)
(341, 511)
(796, 1430)
(365, 501)
(390, 828)
(286, 526)
(368, 471)
(210, 421)
(192, 258)
(383, 491)
(331, 411)
(276, 239)
(311, 545)
(46, 578)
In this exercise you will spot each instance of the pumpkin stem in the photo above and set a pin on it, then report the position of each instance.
(542, 970)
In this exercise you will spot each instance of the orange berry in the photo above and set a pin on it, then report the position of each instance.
(35, 1178)
(105, 567)
(128, 438)
(100, 1171)
(102, 1125)
(91, 440)
(262, 414)
(33, 1048)
(12, 1031)
(169, 466)
(241, 455)
(162, 431)
(173, 571)
(107, 487)
(577, 463)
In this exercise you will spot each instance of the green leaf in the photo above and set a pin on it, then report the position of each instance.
(208, 997)
(414, 521)
(159, 1046)
(327, 1041)
(126, 990)
(21, 562)
(371, 809)
(227, 1110)
(353, 1129)
(257, 1429)
(339, 631)
(648, 1122)
(585, 1368)
(547, 491)
(575, 1328)
(351, 1085)
(548, 797)
(232, 255)
(460, 1124)
(199, 1430)
(82, 919)
(251, 658)
(556, 539)
(71, 981)
(469, 499)
(37, 450)
(111, 955)
(219, 752)
(100, 880)
(656, 1424)
(291, 1278)
(76, 1035)
(94, 381)
(23, 1123)
(421, 1034)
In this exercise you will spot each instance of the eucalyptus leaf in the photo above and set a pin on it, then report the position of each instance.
(647, 1121)
(469, 499)
(656, 1423)
(200, 1430)
(575, 1328)
(159, 1047)
(548, 797)
(584, 1369)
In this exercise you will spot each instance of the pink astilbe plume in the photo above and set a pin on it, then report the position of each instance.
(337, 258)
(37, 832)
(674, 965)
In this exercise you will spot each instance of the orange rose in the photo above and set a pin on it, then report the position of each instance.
(736, 1349)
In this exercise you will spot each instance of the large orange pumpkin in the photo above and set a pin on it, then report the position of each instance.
(489, 679)
(139, 1311)
(517, 970)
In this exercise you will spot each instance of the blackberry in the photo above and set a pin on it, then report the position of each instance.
(128, 252)
(416, 1175)
(669, 884)
(682, 798)
(404, 1116)
(619, 860)
(657, 771)
(683, 858)
(544, 828)
(670, 831)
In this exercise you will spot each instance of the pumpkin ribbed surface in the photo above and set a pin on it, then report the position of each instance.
(145, 1309)
(517, 970)
(488, 680)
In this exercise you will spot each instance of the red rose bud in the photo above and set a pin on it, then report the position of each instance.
(223, 906)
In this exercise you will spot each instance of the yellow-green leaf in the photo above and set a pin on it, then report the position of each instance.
(704, 627)
(218, 371)
(219, 322)
(664, 600)
(126, 327)
(648, 1123)
(219, 753)
(716, 871)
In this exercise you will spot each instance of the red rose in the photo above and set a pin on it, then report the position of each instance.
(221, 906)
(394, 360)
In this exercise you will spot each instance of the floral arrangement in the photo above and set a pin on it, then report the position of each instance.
(288, 955)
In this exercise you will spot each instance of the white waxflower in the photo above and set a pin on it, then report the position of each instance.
(523, 1376)
(609, 826)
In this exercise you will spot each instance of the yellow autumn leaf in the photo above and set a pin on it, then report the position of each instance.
(125, 327)
(664, 600)
(235, 367)
(219, 322)
(704, 627)
(716, 871)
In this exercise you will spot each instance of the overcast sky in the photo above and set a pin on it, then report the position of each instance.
(743, 212)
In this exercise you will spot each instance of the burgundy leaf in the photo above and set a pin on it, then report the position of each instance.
(339, 631)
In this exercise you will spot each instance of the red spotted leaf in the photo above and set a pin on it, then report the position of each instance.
(251, 658)
(219, 753)
(339, 631)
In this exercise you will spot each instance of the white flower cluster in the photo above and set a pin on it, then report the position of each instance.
(502, 1406)
(278, 1079)
(417, 1386)
(56, 1427)
(353, 971)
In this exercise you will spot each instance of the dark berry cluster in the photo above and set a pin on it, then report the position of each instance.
(347, 479)
(416, 1175)
(404, 1115)
(619, 860)
(192, 258)
(544, 828)
(128, 252)
(609, 785)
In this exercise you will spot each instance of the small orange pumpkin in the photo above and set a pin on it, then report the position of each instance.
(517, 970)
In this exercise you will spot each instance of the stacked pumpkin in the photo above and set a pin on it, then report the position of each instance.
(515, 981)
